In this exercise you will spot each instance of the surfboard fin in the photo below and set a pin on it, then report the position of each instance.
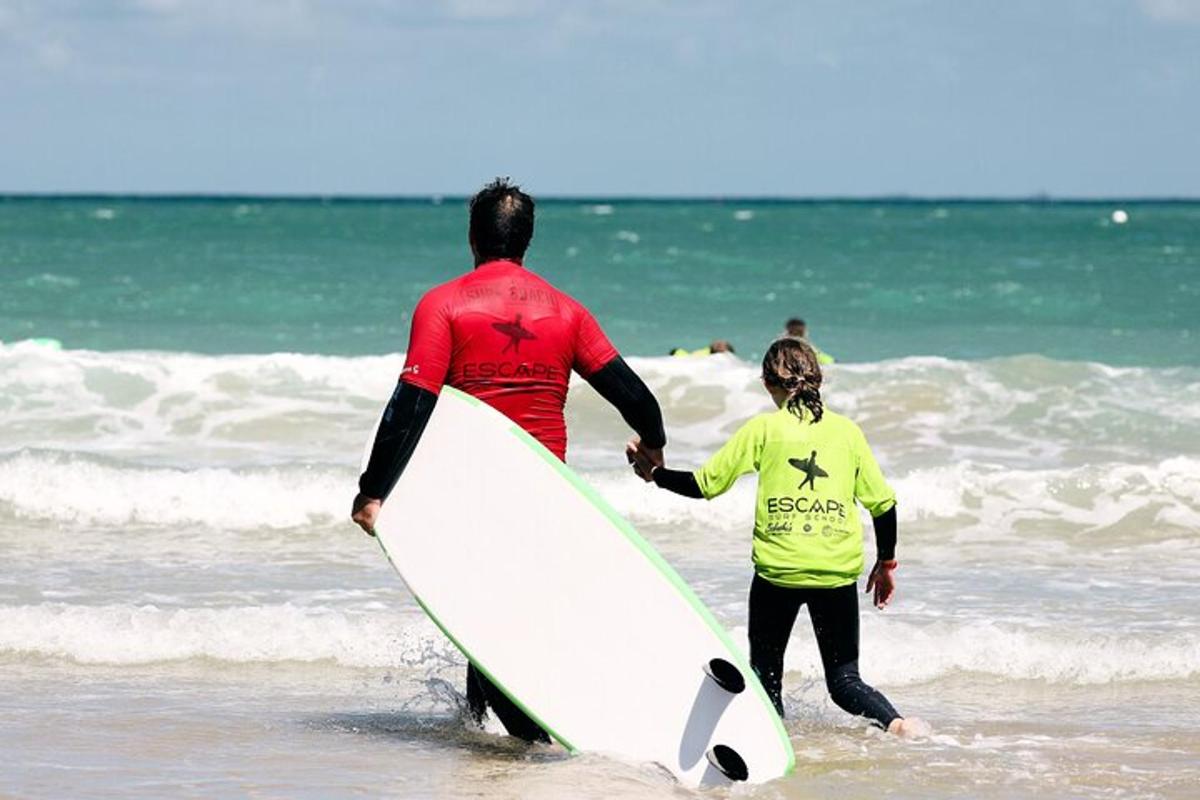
(725, 675)
(726, 761)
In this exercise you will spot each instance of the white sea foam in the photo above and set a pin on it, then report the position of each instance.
(1089, 498)
(139, 634)
(88, 491)
(894, 652)
(1130, 504)
(979, 500)
(53, 281)
(987, 448)
(186, 409)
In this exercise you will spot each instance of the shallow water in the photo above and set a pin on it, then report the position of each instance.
(184, 609)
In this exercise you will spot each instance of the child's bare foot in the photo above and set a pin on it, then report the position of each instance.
(911, 728)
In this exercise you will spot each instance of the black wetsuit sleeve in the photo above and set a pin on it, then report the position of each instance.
(885, 535)
(620, 385)
(678, 481)
(403, 422)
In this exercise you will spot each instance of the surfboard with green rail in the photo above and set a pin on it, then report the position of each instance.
(567, 609)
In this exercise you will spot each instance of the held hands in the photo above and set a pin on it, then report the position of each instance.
(364, 512)
(644, 459)
(883, 581)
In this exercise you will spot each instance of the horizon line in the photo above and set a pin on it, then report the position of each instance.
(439, 198)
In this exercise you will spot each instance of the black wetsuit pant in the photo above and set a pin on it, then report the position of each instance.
(834, 614)
(482, 693)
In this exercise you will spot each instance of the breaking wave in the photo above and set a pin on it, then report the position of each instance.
(895, 652)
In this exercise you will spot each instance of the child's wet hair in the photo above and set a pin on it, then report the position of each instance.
(791, 365)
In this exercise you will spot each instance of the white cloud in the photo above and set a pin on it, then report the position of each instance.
(160, 6)
(1172, 10)
(30, 34)
(492, 9)
(10, 14)
(265, 15)
(54, 55)
(263, 18)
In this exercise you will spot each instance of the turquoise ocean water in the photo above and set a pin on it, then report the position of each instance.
(875, 279)
(186, 611)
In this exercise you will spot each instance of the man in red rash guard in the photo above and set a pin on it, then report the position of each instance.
(506, 336)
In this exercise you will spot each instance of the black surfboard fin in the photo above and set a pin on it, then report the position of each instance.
(726, 761)
(725, 675)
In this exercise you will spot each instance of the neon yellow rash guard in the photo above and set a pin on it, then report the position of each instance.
(807, 531)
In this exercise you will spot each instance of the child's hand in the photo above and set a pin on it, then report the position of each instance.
(883, 582)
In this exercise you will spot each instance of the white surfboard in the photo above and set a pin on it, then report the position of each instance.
(571, 613)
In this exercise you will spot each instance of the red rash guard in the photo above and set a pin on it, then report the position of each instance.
(506, 336)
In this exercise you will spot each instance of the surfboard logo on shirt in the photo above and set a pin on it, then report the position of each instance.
(515, 332)
(810, 469)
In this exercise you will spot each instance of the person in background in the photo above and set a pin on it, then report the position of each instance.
(716, 346)
(813, 467)
(796, 328)
(505, 335)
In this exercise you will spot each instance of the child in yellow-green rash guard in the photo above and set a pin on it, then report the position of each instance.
(813, 466)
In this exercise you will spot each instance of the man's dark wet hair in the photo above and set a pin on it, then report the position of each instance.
(793, 324)
(501, 221)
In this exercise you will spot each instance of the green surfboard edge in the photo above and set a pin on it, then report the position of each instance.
(642, 546)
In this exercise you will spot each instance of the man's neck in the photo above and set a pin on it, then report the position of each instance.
(479, 262)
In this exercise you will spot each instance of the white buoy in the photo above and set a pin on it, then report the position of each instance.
(1120, 217)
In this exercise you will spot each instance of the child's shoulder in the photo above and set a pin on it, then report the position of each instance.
(786, 425)
(836, 420)
(829, 419)
(759, 422)
(844, 428)
(839, 422)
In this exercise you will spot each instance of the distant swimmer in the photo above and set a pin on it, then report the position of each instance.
(514, 332)
(796, 328)
(716, 346)
(810, 469)
(506, 336)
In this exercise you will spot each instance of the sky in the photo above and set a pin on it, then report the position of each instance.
(1080, 98)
